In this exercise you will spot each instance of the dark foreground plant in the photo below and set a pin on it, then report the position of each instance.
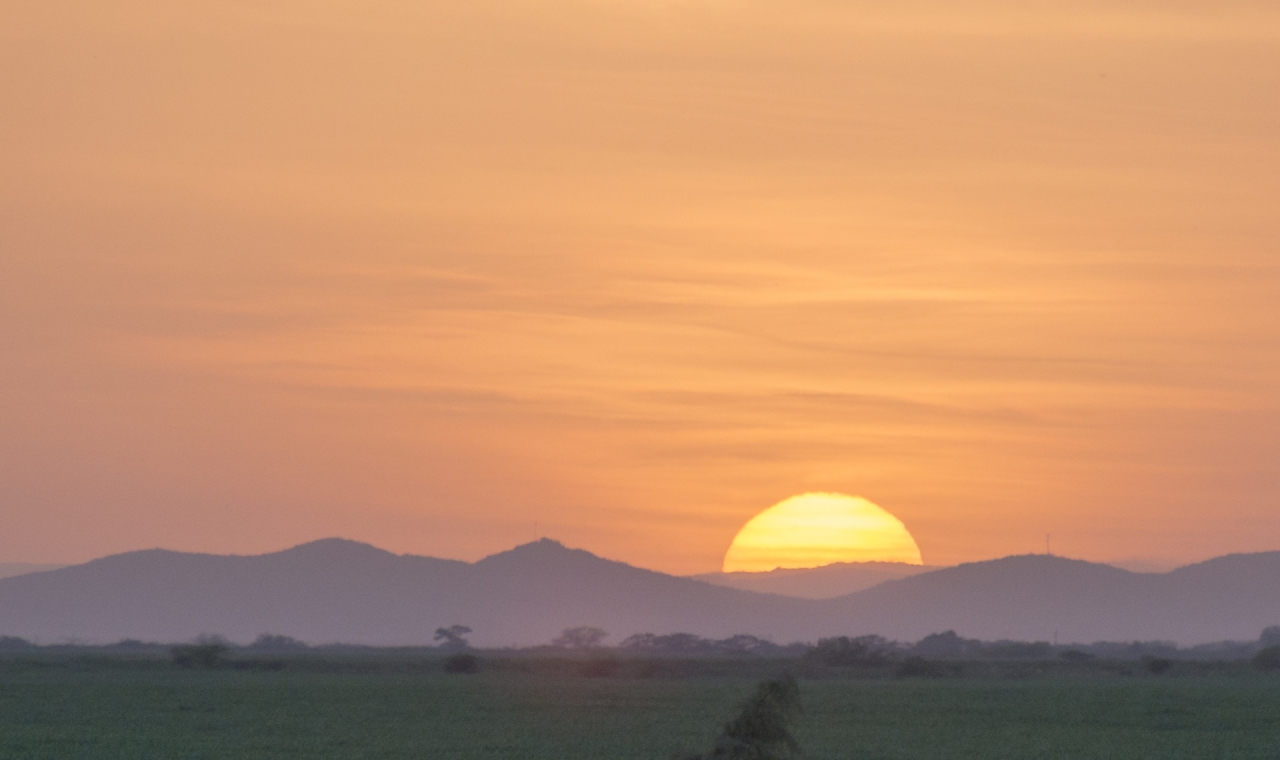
(760, 732)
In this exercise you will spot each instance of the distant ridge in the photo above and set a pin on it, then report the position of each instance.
(826, 582)
(338, 590)
(10, 569)
(1039, 597)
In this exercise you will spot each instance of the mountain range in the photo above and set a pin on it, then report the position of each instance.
(335, 590)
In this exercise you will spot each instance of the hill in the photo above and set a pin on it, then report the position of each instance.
(1040, 598)
(337, 590)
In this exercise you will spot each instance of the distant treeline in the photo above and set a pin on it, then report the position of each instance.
(949, 645)
(851, 651)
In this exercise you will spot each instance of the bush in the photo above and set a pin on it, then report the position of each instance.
(687, 644)
(946, 644)
(462, 663)
(761, 731)
(269, 642)
(198, 655)
(671, 643)
(1267, 659)
(866, 651)
(1156, 665)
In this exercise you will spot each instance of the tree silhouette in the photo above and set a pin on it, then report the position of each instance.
(582, 637)
(452, 637)
(864, 651)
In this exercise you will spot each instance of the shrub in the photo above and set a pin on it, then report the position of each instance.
(671, 643)
(946, 644)
(462, 663)
(866, 651)
(1156, 665)
(687, 644)
(761, 731)
(198, 655)
(1267, 659)
(268, 642)
(742, 643)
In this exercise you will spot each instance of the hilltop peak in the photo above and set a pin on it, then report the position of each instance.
(336, 547)
(544, 551)
(1039, 565)
(543, 546)
(544, 542)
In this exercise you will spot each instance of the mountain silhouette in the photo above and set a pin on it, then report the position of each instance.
(337, 590)
(1043, 598)
(826, 582)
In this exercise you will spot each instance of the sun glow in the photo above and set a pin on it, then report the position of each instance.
(816, 529)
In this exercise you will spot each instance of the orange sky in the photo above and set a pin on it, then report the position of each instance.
(422, 274)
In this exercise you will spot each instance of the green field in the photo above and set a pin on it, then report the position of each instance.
(147, 709)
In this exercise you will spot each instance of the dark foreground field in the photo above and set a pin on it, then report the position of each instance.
(107, 709)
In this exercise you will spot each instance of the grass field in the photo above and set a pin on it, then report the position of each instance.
(104, 710)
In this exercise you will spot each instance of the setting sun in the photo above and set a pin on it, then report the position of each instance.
(816, 529)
